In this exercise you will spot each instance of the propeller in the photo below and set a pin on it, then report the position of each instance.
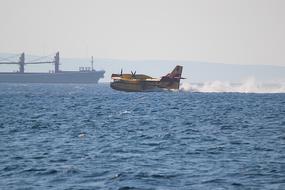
(133, 74)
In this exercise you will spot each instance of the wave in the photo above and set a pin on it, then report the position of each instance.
(250, 85)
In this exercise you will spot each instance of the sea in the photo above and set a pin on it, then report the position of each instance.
(71, 137)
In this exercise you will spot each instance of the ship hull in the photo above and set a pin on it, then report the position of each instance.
(60, 77)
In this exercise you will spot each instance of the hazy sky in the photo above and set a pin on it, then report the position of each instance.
(225, 31)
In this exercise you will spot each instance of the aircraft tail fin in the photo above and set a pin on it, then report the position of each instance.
(172, 80)
(177, 71)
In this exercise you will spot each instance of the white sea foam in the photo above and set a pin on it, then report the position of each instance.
(250, 85)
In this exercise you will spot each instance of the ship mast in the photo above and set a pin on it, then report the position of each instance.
(92, 61)
(56, 62)
(22, 63)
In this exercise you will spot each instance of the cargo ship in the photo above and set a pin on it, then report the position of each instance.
(84, 75)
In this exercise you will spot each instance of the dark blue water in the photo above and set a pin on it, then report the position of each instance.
(91, 137)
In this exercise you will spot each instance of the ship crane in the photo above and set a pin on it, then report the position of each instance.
(22, 63)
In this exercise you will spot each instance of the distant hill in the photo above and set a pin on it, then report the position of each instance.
(193, 71)
(197, 71)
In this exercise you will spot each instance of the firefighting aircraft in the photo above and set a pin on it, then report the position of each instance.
(140, 83)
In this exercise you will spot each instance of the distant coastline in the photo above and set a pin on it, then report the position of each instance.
(194, 71)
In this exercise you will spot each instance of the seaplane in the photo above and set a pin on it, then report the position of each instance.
(143, 83)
